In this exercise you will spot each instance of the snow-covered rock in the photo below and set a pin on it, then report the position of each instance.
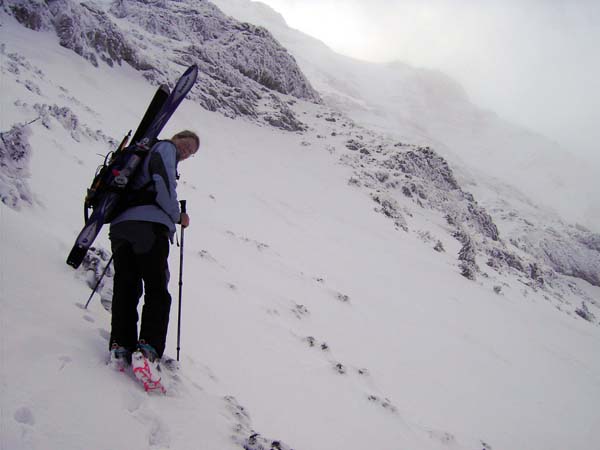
(239, 63)
(15, 152)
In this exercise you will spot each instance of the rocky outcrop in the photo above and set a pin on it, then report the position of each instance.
(571, 253)
(238, 62)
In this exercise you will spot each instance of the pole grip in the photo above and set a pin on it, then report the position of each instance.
(182, 203)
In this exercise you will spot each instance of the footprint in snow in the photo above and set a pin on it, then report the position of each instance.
(104, 334)
(89, 318)
(133, 401)
(25, 416)
(160, 436)
(64, 360)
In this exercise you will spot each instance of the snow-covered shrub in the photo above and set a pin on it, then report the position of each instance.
(339, 368)
(483, 221)
(385, 403)
(466, 256)
(342, 297)
(283, 117)
(585, 313)
(500, 258)
(354, 145)
(93, 265)
(390, 208)
(15, 153)
(258, 442)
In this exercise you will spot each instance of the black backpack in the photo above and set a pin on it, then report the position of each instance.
(108, 178)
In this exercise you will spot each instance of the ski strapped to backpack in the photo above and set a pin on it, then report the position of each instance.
(107, 193)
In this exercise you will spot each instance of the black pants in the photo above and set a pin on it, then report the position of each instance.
(140, 251)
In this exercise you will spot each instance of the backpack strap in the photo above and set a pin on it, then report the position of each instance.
(143, 195)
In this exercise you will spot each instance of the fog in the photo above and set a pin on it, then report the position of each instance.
(533, 62)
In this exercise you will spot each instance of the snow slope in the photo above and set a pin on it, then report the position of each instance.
(427, 107)
(307, 317)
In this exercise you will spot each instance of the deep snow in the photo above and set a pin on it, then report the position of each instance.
(278, 239)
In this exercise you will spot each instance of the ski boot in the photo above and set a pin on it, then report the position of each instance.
(120, 357)
(146, 368)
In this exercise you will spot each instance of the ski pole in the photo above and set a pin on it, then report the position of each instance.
(99, 281)
(183, 211)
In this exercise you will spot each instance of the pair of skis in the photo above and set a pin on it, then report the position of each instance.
(160, 110)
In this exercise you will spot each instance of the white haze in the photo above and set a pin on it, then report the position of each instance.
(534, 63)
(425, 106)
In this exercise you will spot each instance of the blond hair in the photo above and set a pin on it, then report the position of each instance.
(187, 134)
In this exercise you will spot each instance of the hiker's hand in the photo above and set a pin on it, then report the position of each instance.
(184, 220)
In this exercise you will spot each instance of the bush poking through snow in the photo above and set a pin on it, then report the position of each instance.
(466, 256)
(15, 153)
(339, 368)
(390, 208)
(585, 313)
(93, 265)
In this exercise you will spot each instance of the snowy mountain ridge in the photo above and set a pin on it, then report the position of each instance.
(391, 174)
(323, 285)
(238, 62)
(411, 105)
(169, 24)
(428, 108)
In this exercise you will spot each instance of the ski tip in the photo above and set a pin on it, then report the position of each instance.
(76, 256)
(191, 71)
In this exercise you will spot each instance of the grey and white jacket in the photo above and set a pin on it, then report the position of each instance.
(158, 174)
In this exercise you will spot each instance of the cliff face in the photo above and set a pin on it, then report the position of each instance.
(240, 64)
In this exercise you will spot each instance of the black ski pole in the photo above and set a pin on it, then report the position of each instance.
(183, 211)
(99, 281)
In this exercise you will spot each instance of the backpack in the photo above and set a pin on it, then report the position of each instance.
(113, 176)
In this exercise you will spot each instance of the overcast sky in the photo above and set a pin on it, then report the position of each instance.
(534, 62)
